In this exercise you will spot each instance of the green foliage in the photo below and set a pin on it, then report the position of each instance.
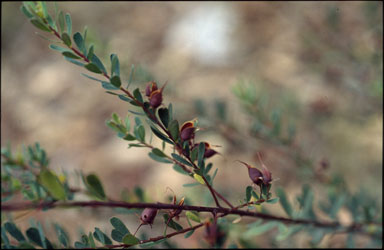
(28, 173)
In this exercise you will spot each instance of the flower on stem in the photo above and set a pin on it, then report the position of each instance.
(151, 87)
(154, 94)
(147, 217)
(187, 131)
(212, 234)
(209, 152)
(263, 177)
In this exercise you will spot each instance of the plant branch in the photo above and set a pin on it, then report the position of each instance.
(224, 211)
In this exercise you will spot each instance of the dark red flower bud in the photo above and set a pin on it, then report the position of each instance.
(187, 131)
(213, 235)
(254, 174)
(151, 86)
(155, 99)
(148, 216)
(209, 152)
(267, 175)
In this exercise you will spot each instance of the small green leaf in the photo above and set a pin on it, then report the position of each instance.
(284, 201)
(164, 116)
(4, 239)
(93, 68)
(257, 230)
(58, 48)
(191, 184)
(38, 24)
(119, 225)
(115, 81)
(98, 63)
(51, 22)
(90, 51)
(200, 155)
(179, 169)
(181, 159)
(66, 39)
(248, 193)
(61, 21)
(91, 240)
(273, 201)
(160, 135)
(172, 224)
(131, 75)
(193, 216)
(173, 128)
(187, 235)
(125, 98)
(68, 21)
(107, 85)
(44, 8)
(74, 61)
(101, 237)
(34, 236)
(199, 178)
(158, 152)
(137, 95)
(14, 231)
(214, 175)
(70, 55)
(62, 235)
(117, 235)
(129, 239)
(25, 11)
(52, 184)
(115, 65)
(91, 77)
(152, 243)
(141, 133)
(95, 186)
(158, 158)
(129, 137)
(79, 41)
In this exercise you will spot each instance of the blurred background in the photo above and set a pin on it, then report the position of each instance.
(299, 82)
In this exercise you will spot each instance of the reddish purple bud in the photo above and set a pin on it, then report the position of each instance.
(209, 153)
(148, 216)
(152, 86)
(254, 174)
(156, 98)
(213, 235)
(267, 176)
(187, 131)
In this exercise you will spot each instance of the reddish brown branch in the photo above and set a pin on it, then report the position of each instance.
(226, 211)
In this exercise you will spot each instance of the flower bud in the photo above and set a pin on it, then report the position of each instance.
(148, 216)
(187, 131)
(209, 152)
(254, 174)
(155, 99)
(152, 86)
(213, 235)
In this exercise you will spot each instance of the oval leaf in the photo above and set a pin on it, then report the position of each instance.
(38, 24)
(115, 81)
(95, 186)
(129, 239)
(52, 184)
(93, 68)
(193, 216)
(66, 39)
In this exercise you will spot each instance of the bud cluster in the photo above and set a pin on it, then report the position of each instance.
(155, 95)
